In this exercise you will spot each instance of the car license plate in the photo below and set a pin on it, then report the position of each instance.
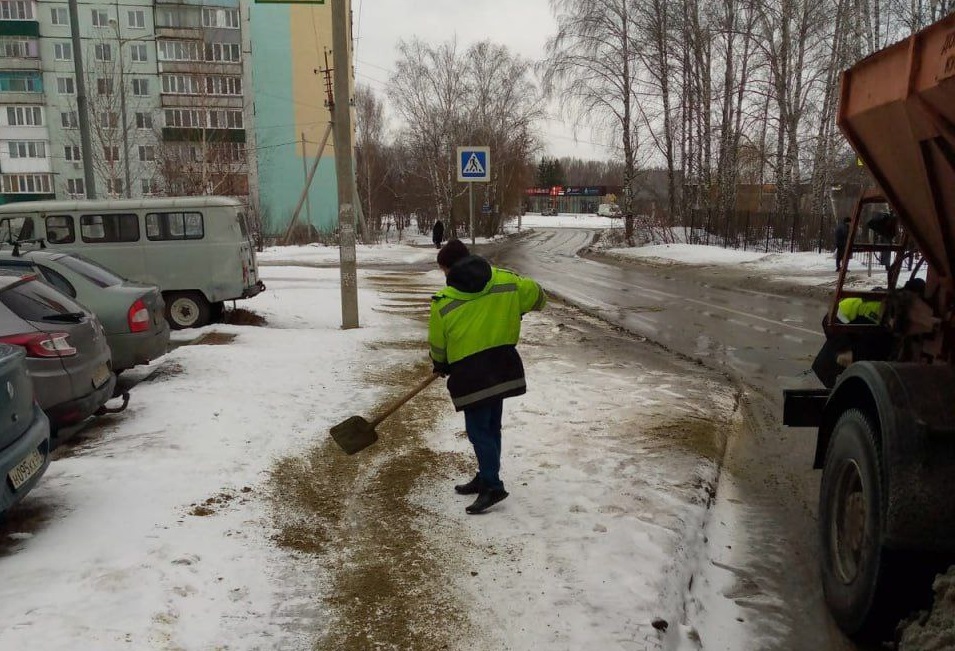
(100, 376)
(25, 469)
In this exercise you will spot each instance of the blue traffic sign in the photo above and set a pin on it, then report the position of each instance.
(474, 164)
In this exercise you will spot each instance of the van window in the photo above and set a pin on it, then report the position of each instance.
(60, 229)
(109, 228)
(16, 228)
(244, 227)
(174, 226)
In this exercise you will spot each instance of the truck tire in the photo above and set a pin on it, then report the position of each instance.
(856, 568)
(186, 310)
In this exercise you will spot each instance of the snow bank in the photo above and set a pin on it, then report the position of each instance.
(934, 631)
(565, 220)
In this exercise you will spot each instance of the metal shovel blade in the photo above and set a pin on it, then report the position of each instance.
(354, 435)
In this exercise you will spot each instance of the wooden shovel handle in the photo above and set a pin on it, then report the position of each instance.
(405, 398)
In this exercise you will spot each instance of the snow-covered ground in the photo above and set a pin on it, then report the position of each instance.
(565, 220)
(800, 268)
(177, 524)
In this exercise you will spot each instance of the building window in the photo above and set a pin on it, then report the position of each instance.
(21, 82)
(180, 85)
(16, 10)
(150, 186)
(180, 51)
(111, 153)
(186, 118)
(138, 52)
(60, 16)
(110, 228)
(182, 17)
(223, 85)
(140, 87)
(225, 119)
(100, 18)
(63, 51)
(68, 120)
(65, 86)
(144, 121)
(147, 153)
(26, 184)
(136, 19)
(109, 120)
(104, 86)
(76, 187)
(24, 116)
(227, 52)
(72, 153)
(27, 149)
(115, 188)
(103, 52)
(223, 18)
(18, 48)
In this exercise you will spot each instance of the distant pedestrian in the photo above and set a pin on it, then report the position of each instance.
(437, 234)
(473, 332)
(842, 238)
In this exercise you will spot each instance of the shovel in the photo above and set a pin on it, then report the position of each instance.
(356, 433)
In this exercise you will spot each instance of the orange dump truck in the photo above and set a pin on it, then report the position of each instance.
(886, 421)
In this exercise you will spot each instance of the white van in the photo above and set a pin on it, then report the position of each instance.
(608, 210)
(197, 249)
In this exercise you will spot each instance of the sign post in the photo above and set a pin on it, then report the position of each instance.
(474, 166)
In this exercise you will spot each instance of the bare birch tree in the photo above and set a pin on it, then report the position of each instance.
(592, 64)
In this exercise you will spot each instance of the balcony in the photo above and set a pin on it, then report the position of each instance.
(20, 28)
(204, 67)
(183, 134)
(202, 101)
(14, 63)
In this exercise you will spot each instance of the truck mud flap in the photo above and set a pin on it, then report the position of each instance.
(804, 407)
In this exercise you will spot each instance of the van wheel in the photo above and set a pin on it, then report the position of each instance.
(187, 310)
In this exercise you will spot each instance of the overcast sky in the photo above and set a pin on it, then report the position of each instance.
(522, 25)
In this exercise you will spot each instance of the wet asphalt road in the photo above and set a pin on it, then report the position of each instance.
(765, 342)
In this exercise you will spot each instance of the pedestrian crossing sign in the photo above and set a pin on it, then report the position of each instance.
(474, 164)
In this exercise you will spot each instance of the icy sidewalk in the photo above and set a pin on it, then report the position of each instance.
(217, 513)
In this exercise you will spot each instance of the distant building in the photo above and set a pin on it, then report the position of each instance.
(177, 68)
(289, 47)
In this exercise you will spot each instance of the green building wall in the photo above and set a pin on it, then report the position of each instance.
(281, 176)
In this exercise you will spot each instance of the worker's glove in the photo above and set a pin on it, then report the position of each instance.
(442, 368)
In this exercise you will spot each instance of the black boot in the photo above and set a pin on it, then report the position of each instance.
(473, 487)
(485, 500)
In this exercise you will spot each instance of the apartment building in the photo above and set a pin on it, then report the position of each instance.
(166, 85)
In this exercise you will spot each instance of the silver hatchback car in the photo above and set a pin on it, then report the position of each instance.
(133, 314)
(67, 354)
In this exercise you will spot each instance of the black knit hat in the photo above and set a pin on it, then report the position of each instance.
(451, 253)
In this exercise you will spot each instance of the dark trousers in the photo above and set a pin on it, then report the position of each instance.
(840, 253)
(484, 431)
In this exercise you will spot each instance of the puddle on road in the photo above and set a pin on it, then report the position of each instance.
(387, 584)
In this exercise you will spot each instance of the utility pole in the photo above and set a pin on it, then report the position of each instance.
(122, 103)
(341, 118)
(308, 201)
(82, 108)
